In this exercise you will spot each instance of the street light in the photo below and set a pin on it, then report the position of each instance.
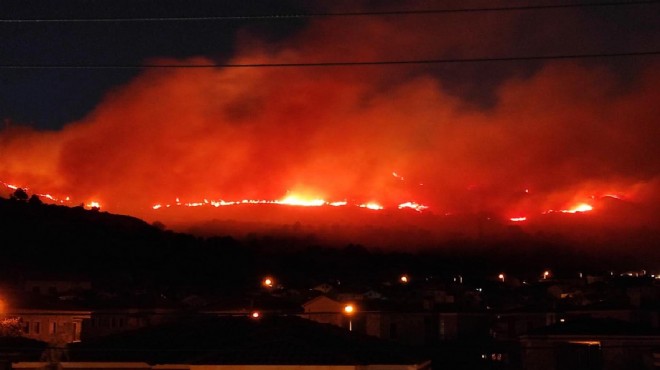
(501, 277)
(349, 309)
(268, 282)
(546, 274)
(404, 279)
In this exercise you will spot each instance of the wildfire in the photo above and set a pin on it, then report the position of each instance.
(40, 195)
(372, 206)
(93, 205)
(583, 207)
(293, 200)
(296, 200)
(412, 205)
(579, 208)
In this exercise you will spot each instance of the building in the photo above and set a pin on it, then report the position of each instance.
(51, 326)
(227, 343)
(590, 344)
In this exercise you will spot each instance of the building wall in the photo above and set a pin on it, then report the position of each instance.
(55, 287)
(144, 366)
(52, 326)
(102, 323)
(576, 352)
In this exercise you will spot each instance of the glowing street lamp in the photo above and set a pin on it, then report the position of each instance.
(268, 282)
(349, 310)
(546, 274)
(255, 315)
(501, 277)
(404, 279)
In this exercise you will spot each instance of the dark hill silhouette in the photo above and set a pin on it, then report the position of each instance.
(123, 254)
(114, 251)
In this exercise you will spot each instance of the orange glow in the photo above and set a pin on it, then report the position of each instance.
(546, 274)
(238, 136)
(518, 219)
(404, 279)
(255, 315)
(501, 277)
(349, 309)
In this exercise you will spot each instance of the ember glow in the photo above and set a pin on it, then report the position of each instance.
(518, 219)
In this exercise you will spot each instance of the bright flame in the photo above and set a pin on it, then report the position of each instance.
(412, 205)
(518, 219)
(94, 205)
(371, 205)
(582, 207)
(293, 200)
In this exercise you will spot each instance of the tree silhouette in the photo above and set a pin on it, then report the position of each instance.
(34, 199)
(20, 195)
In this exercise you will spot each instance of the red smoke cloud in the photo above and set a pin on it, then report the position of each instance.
(564, 131)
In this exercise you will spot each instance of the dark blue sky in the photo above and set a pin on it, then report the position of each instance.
(48, 99)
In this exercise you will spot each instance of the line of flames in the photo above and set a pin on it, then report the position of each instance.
(293, 201)
(290, 201)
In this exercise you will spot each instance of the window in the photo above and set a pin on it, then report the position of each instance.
(393, 331)
(36, 327)
(53, 327)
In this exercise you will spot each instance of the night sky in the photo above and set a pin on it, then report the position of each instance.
(515, 137)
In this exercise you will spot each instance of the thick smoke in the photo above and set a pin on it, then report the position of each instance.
(553, 134)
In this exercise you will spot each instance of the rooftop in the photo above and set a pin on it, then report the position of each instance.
(244, 340)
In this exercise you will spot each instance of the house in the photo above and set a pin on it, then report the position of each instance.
(57, 287)
(111, 321)
(228, 343)
(50, 325)
(325, 310)
(603, 344)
